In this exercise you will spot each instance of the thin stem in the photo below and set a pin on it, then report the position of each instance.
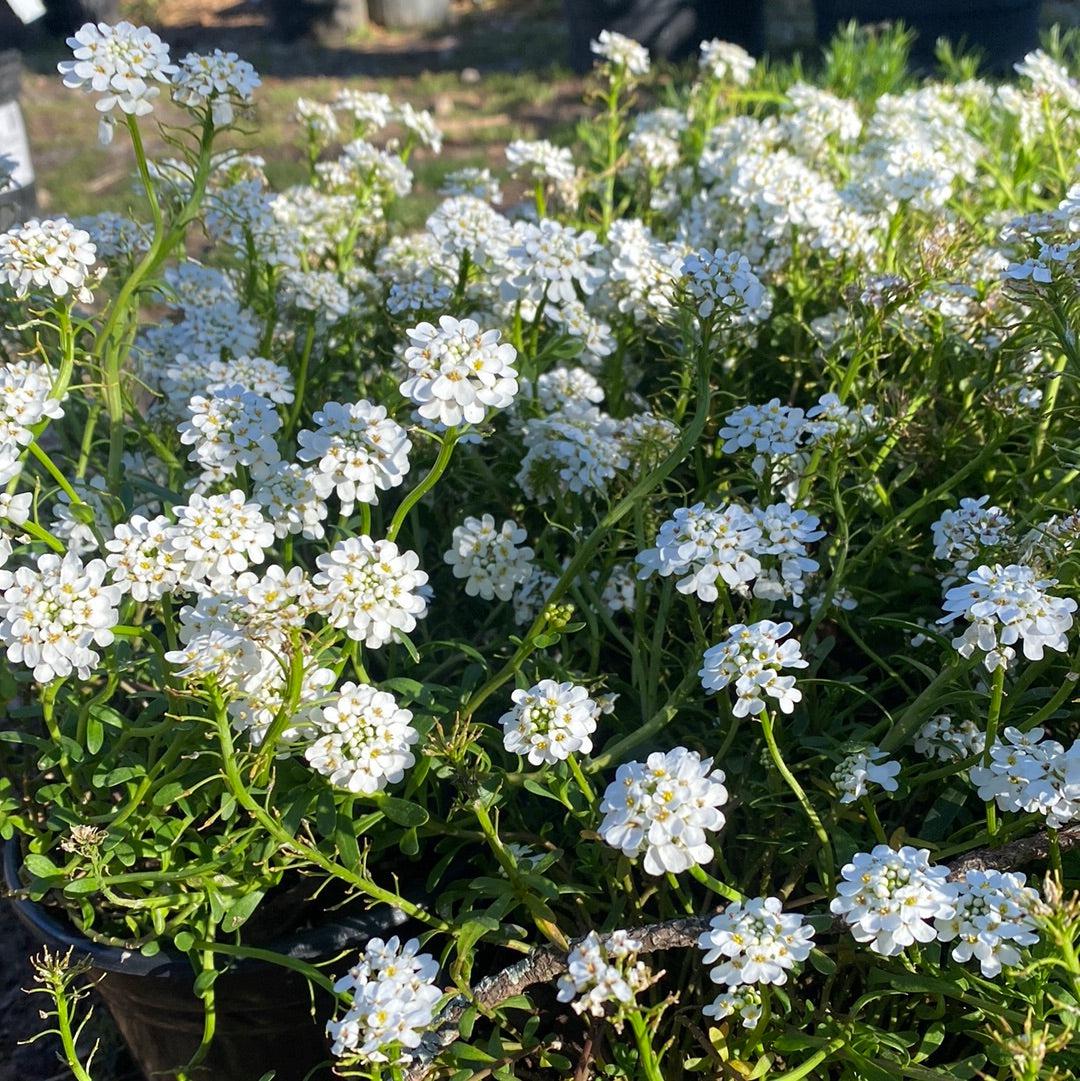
(63, 1028)
(425, 486)
(800, 795)
(993, 714)
(648, 1060)
(301, 379)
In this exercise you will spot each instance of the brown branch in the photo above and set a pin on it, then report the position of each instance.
(545, 963)
(1015, 853)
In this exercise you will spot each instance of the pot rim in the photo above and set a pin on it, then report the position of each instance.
(316, 943)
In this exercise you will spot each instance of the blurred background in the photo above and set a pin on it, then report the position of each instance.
(491, 70)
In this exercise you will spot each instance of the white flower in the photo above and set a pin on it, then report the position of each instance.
(752, 657)
(1029, 773)
(458, 372)
(993, 920)
(492, 561)
(1006, 605)
(725, 281)
(960, 535)
(725, 59)
(52, 616)
(862, 768)
(621, 52)
(665, 808)
(393, 1000)
(226, 656)
(702, 545)
(292, 498)
(368, 109)
(142, 560)
(744, 1000)
(890, 899)
(317, 119)
(549, 259)
(231, 427)
(364, 739)
(601, 973)
(317, 291)
(541, 160)
(15, 508)
(550, 722)
(771, 429)
(947, 740)
(785, 533)
(220, 535)
(25, 400)
(479, 183)
(120, 63)
(421, 123)
(360, 451)
(374, 591)
(576, 449)
(218, 79)
(52, 254)
(755, 942)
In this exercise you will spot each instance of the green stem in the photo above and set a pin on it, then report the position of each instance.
(279, 833)
(425, 486)
(301, 379)
(993, 714)
(800, 795)
(648, 1060)
(63, 1028)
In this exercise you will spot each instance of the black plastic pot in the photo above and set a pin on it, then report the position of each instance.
(672, 29)
(18, 203)
(265, 1018)
(1002, 30)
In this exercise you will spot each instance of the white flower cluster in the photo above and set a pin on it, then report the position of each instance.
(993, 920)
(550, 722)
(890, 899)
(1028, 772)
(458, 372)
(231, 427)
(52, 616)
(744, 1000)
(621, 53)
(541, 160)
(724, 281)
(25, 401)
(218, 536)
(665, 808)
(948, 740)
(374, 591)
(702, 545)
(603, 973)
(364, 739)
(358, 450)
(220, 80)
(1006, 605)
(961, 535)
(752, 658)
(492, 561)
(755, 942)
(52, 254)
(394, 995)
(778, 434)
(726, 60)
(120, 64)
(860, 769)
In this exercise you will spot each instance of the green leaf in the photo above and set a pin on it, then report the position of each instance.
(402, 811)
(82, 885)
(168, 794)
(95, 734)
(41, 866)
(241, 910)
(184, 941)
(204, 981)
